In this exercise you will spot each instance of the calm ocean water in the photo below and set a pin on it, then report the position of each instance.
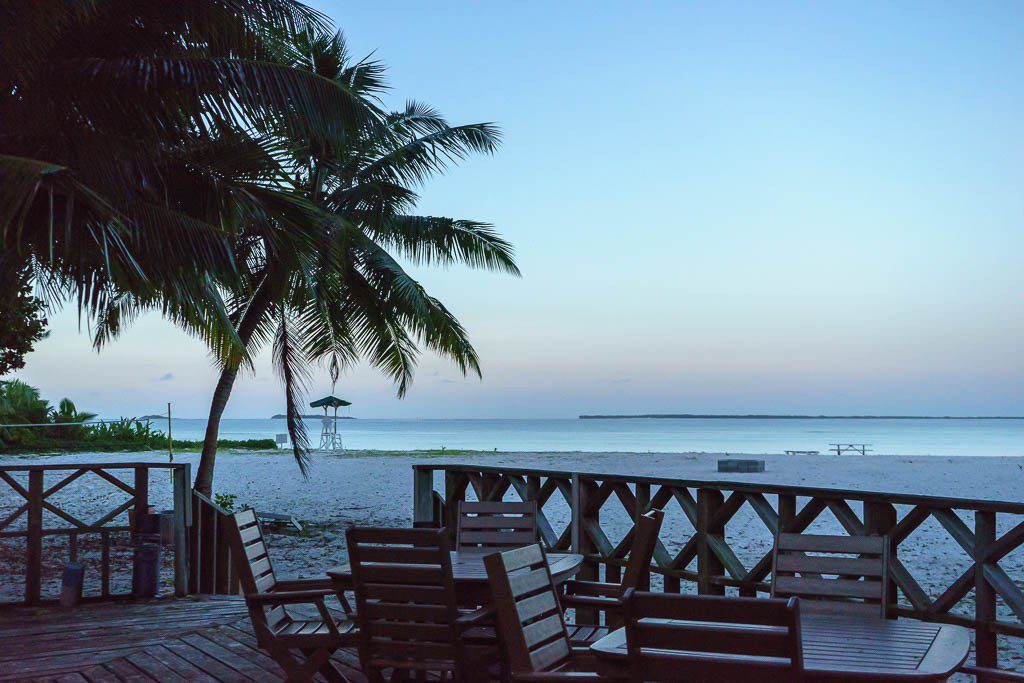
(732, 435)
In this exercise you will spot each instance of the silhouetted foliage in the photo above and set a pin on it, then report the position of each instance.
(22, 319)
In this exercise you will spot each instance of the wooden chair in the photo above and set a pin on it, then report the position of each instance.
(607, 597)
(725, 638)
(531, 625)
(496, 524)
(859, 565)
(277, 631)
(406, 607)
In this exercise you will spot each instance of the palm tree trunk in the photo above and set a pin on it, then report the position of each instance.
(258, 307)
(204, 474)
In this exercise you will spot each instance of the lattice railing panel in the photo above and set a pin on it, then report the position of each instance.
(953, 560)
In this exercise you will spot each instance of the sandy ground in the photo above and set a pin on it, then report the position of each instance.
(376, 489)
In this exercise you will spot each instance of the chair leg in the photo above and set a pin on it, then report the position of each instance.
(305, 671)
(331, 672)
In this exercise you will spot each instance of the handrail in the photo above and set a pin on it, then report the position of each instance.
(36, 494)
(1011, 507)
(709, 505)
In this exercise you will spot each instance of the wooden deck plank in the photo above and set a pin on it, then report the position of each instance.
(223, 637)
(225, 656)
(154, 668)
(212, 667)
(202, 640)
(97, 674)
(178, 665)
(125, 671)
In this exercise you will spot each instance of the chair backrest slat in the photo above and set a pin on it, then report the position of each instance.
(802, 565)
(254, 568)
(645, 537)
(674, 637)
(405, 598)
(528, 610)
(496, 524)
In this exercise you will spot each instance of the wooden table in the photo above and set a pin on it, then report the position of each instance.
(471, 577)
(852, 649)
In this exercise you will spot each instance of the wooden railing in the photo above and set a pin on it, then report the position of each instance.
(34, 489)
(210, 570)
(572, 503)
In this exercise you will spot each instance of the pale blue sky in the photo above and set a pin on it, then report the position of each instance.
(717, 207)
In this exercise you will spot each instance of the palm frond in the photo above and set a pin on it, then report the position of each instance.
(291, 367)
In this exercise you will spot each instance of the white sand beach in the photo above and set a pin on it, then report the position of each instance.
(376, 489)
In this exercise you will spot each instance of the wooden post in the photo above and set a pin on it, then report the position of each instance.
(576, 508)
(709, 566)
(879, 520)
(453, 493)
(581, 543)
(222, 559)
(170, 441)
(141, 501)
(643, 502)
(423, 495)
(182, 515)
(34, 539)
(105, 563)
(985, 643)
(787, 512)
(204, 528)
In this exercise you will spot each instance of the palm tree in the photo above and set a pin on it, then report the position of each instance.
(139, 143)
(355, 300)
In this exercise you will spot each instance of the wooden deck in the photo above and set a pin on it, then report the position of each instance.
(189, 639)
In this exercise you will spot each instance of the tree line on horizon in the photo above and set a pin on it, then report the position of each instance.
(228, 164)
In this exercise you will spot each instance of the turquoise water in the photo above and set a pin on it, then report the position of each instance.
(731, 435)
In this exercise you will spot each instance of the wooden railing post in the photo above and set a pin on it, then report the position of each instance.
(879, 520)
(182, 518)
(581, 543)
(423, 496)
(576, 509)
(453, 493)
(34, 539)
(643, 502)
(787, 512)
(985, 643)
(141, 509)
(709, 567)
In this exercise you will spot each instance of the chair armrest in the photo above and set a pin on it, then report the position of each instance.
(303, 584)
(609, 604)
(477, 617)
(288, 597)
(316, 584)
(593, 588)
(555, 676)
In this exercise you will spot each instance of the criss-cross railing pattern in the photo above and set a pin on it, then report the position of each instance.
(571, 505)
(32, 496)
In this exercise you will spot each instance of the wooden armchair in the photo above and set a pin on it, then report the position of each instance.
(496, 524)
(267, 598)
(607, 597)
(406, 607)
(859, 565)
(673, 637)
(531, 624)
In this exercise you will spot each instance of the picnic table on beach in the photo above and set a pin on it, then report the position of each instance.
(851, 648)
(860, 448)
(470, 575)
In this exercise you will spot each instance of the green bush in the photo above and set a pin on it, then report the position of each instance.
(21, 404)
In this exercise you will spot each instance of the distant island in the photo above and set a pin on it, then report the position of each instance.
(153, 417)
(689, 416)
(311, 417)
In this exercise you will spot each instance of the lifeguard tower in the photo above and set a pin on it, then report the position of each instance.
(329, 439)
